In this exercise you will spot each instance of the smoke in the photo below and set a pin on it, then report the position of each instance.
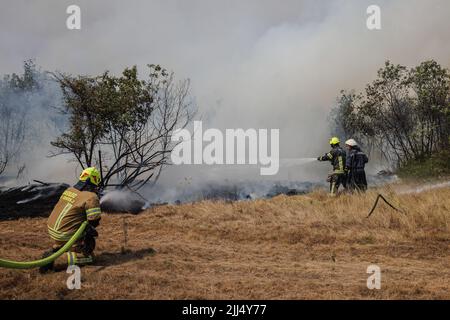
(425, 187)
(253, 64)
(38, 108)
(123, 201)
(296, 162)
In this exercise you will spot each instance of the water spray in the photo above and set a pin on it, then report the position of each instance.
(290, 162)
(425, 187)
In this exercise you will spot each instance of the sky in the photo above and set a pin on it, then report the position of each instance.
(252, 63)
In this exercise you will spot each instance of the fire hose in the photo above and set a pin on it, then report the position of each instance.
(40, 263)
(380, 196)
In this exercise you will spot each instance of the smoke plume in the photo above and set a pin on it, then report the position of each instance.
(253, 64)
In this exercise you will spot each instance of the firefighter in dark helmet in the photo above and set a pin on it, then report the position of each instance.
(355, 163)
(337, 158)
(77, 204)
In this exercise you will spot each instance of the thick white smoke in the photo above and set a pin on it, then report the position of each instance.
(253, 64)
(39, 109)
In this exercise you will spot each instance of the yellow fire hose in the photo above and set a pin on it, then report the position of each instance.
(40, 263)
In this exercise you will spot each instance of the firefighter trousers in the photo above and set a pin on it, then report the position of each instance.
(80, 253)
(336, 180)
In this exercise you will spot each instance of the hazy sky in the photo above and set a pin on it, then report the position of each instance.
(252, 63)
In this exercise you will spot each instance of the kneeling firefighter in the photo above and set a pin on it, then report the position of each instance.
(76, 205)
(355, 163)
(337, 158)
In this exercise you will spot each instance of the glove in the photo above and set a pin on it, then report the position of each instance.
(94, 223)
(91, 232)
(319, 158)
(88, 244)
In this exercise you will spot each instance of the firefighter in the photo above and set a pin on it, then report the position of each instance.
(337, 158)
(76, 205)
(354, 165)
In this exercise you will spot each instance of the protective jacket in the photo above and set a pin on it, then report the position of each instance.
(337, 156)
(73, 208)
(356, 160)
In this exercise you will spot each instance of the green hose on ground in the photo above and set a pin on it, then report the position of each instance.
(40, 263)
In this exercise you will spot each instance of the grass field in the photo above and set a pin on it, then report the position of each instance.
(299, 247)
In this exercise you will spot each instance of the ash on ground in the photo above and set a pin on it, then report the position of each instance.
(38, 200)
(33, 200)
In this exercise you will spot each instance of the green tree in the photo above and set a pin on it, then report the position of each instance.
(430, 83)
(404, 113)
(129, 119)
(13, 111)
(344, 115)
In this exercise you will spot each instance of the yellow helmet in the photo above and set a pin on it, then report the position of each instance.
(92, 174)
(334, 140)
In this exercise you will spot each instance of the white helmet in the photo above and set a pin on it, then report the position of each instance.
(351, 143)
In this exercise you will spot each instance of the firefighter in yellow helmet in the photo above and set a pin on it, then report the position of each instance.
(337, 158)
(76, 205)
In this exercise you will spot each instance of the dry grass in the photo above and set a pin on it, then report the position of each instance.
(301, 247)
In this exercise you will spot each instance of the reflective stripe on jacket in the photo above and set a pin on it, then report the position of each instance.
(73, 208)
(337, 157)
